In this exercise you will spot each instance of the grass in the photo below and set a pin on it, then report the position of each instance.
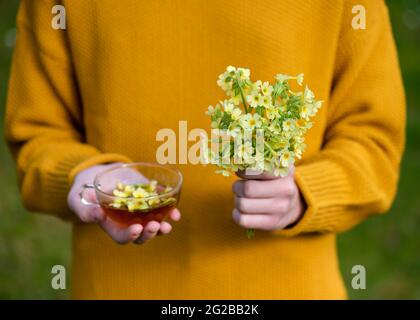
(29, 244)
(386, 245)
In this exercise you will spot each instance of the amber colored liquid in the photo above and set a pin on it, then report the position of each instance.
(125, 217)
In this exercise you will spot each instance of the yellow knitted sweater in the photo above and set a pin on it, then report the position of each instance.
(100, 90)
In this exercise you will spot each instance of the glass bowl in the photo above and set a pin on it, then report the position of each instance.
(148, 208)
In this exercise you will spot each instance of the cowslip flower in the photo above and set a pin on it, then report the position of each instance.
(210, 111)
(255, 100)
(286, 158)
(282, 115)
(266, 101)
(250, 121)
(266, 89)
(288, 125)
(236, 114)
(224, 82)
(140, 197)
(245, 150)
(228, 106)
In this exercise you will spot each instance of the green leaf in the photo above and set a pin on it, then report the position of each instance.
(225, 122)
(260, 110)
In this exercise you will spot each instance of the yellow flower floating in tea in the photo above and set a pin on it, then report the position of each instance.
(141, 196)
(267, 133)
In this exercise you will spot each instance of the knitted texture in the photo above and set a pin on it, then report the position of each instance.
(99, 91)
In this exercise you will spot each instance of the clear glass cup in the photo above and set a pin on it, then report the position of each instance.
(134, 173)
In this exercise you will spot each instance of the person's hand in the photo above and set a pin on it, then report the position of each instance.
(267, 202)
(91, 214)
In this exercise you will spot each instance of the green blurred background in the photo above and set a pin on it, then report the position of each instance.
(388, 245)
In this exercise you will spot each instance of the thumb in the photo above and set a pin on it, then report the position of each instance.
(250, 174)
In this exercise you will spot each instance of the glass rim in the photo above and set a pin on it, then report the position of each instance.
(175, 190)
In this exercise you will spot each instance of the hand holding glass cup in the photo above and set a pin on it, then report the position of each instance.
(129, 201)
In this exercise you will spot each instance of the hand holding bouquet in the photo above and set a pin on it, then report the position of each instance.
(260, 128)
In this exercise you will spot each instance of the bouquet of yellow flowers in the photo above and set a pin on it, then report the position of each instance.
(267, 133)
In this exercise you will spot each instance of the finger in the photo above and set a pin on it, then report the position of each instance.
(96, 214)
(165, 227)
(121, 234)
(262, 206)
(278, 188)
(150, 231)
(90, 214)
(262, 222)
(86, 213)
(175, 215)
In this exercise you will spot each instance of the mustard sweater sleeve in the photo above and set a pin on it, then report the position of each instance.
(356, 172)
(44, 126)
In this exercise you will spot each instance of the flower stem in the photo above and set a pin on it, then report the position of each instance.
(242, 96)
(269, 148)
(250, 233)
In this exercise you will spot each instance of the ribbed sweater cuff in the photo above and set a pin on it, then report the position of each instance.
(325, 188)
(58, 182)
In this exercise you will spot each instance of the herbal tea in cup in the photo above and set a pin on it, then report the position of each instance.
(136, 193)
